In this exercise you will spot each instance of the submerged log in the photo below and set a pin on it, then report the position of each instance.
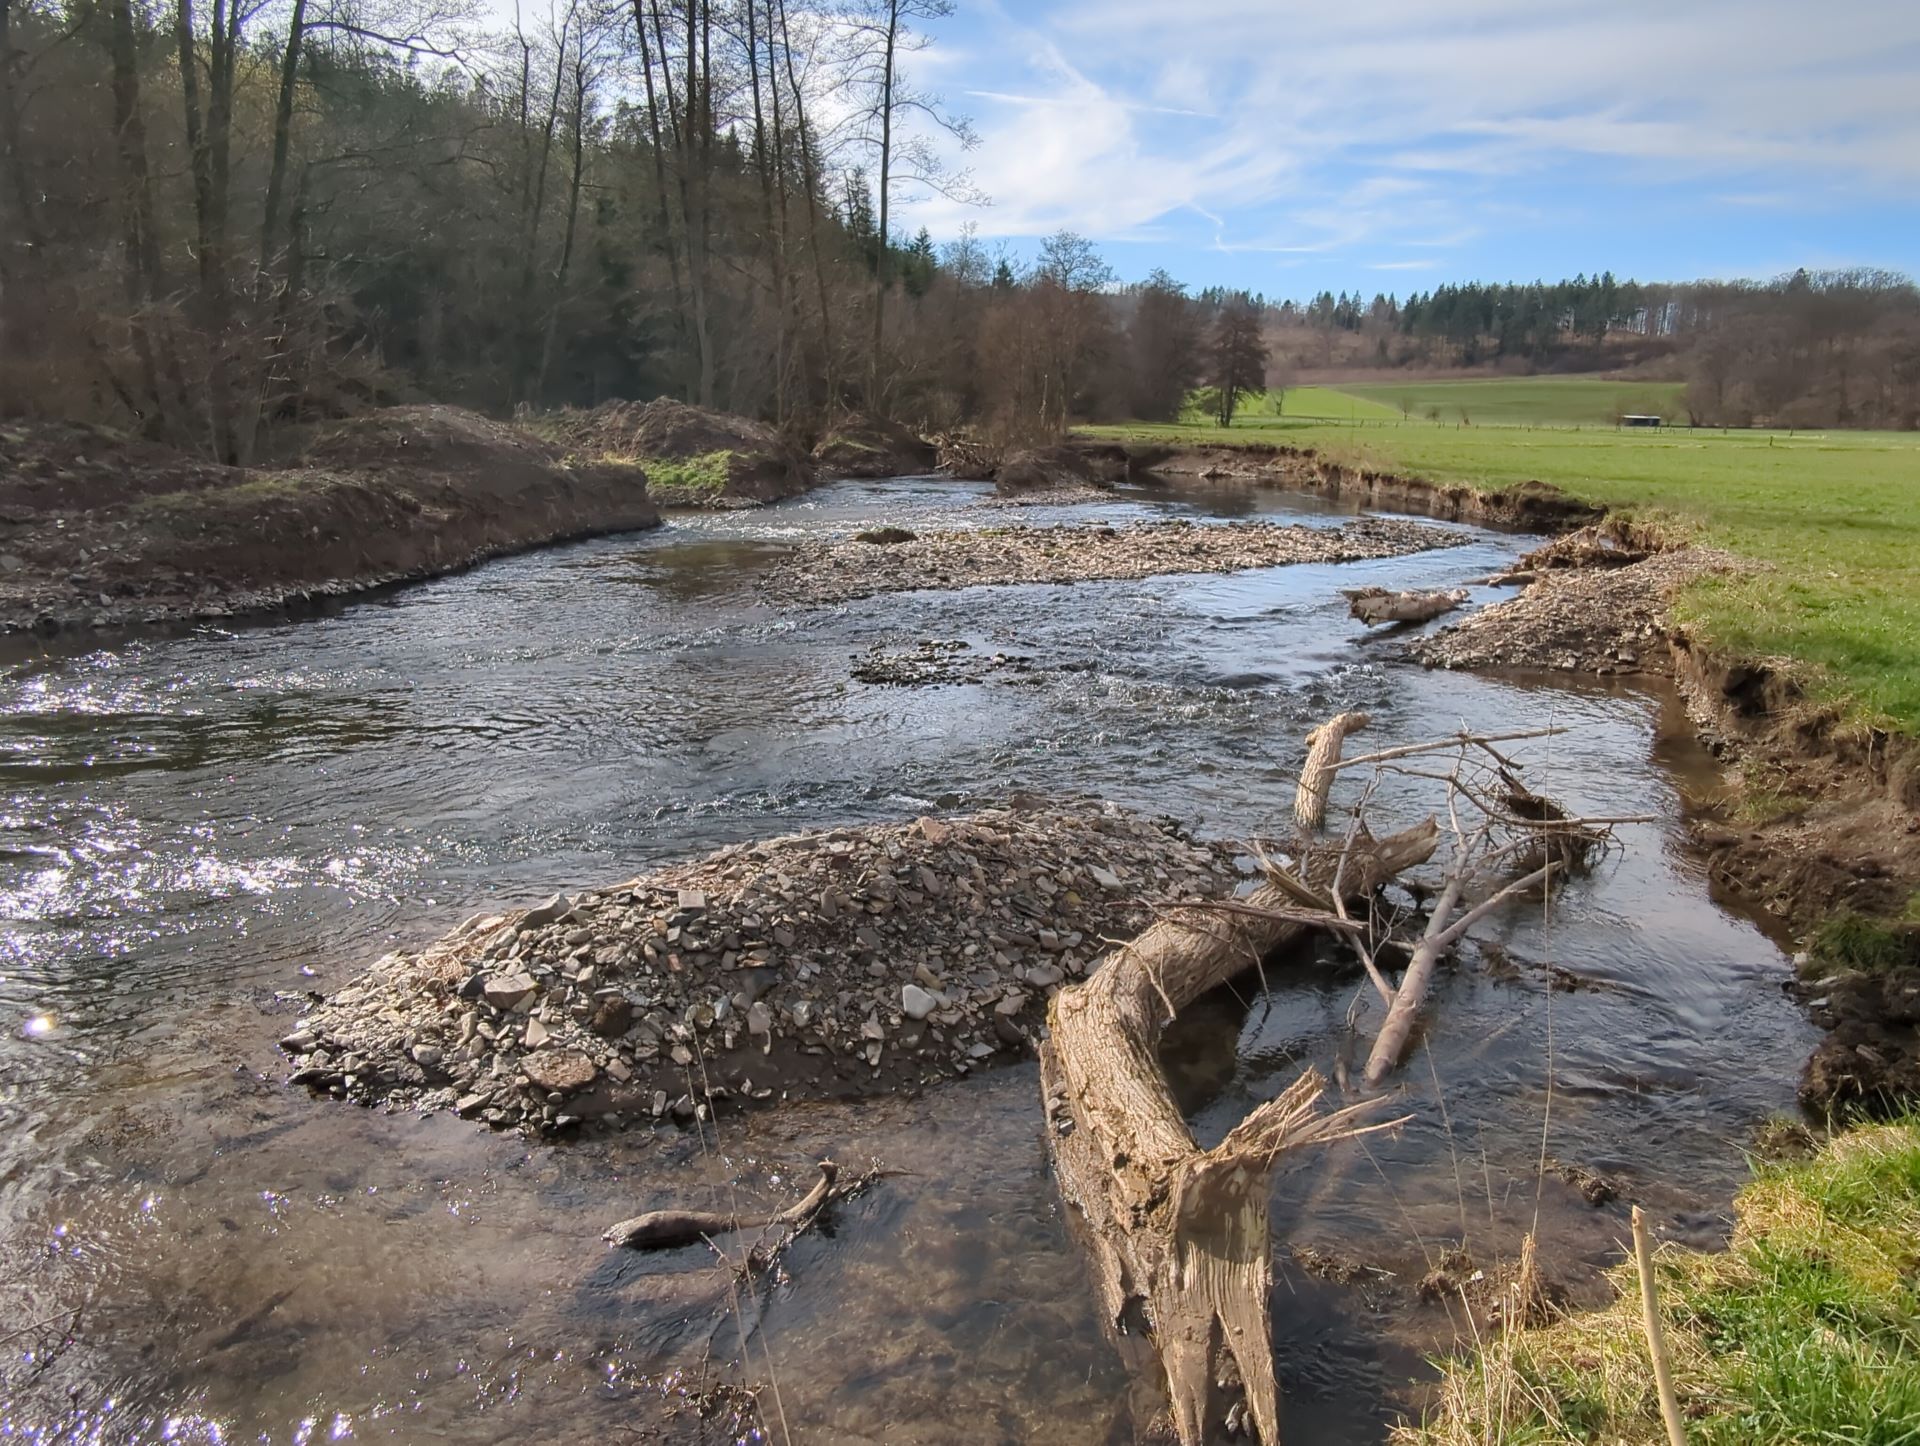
(666, 1229)
(1178, 1236)
(1373, 605)
(1316, 774)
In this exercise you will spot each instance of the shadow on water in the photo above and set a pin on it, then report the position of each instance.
(195, 831)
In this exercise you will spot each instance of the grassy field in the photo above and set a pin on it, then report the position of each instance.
(1806, 1330)
(1523, 401)
(1835, 516)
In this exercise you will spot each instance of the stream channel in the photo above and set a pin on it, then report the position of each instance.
(195, 830)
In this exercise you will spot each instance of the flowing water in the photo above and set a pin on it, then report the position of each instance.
(197, 830)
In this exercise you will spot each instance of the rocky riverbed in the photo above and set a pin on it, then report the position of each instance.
(839, 571)
(1590, 605)
(821, 964)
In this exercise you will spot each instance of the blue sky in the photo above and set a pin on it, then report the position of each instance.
(1388, 145)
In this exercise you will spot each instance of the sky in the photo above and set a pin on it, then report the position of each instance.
(1290, 146)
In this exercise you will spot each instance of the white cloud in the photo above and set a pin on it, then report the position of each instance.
(1406, 123)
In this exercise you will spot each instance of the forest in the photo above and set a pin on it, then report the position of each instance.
(217, 217)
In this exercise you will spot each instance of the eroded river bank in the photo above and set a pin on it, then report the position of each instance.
(201, 830)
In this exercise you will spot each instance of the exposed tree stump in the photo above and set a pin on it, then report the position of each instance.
(1178, 1237)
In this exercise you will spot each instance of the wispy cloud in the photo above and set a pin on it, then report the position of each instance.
(1264, 131)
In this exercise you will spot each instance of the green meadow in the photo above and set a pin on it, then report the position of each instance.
(1833, 517)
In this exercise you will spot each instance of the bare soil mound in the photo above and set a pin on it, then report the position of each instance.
(692, 457)
(1049, 475)
(847, 962)
(873, 447)
(404, 493)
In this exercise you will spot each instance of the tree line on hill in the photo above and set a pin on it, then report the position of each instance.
(1825, 348)
(218, 216)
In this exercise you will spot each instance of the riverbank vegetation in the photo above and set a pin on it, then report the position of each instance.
(1806, 1329)
(1833, 516)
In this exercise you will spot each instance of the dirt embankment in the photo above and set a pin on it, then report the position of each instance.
(691, 457)
(97, 530)
(1528, 507)
(873, 447)
(829, 572)
(842, 963)
(1823, 827)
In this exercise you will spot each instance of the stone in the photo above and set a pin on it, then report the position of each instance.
(540, 915)
(537, 1034)
(1105, 878)
(505, 991)
(469, 1104)
(759, 1019)
(917, 1003)
(560, 1071)
(692, 901)
(426, 1056)
(1045, 976)
(612, 1017)
(618, 1069)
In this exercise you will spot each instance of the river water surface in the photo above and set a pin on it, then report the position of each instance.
(195, 831)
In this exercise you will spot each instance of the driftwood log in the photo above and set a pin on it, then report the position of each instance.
(1375, 605)
(1316, 774)
(1179, 1236)
(666, 1229)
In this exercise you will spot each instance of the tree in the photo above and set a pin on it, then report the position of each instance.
(1164, 349)
(1237, 359)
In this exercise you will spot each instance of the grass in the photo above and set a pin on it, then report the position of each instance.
(704, 472)
(1835, 516)
(1806, 1330)
(1855, 941)
(1524, 401)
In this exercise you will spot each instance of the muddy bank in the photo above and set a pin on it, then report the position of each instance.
(1527, 507)
(691, 457)
(100, 531)
(841, 963)
(828, 572)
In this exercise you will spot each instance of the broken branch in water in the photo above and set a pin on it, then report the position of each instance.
(666, 1229)
(1178, 1237)
(1375, 605)
(1316, 776)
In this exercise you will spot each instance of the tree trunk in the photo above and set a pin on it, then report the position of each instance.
(810, 177)
(1316, 775)
(573, 221)
(659, 161)
(1374, 605)
(886, 185)
(1178, 1236)
(775, 238)
(139, 230)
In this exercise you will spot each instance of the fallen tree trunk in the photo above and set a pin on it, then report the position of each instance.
(1316, 774)
(1178, 1236)
(1443, 932)
(1373, 605)
(665, 1229)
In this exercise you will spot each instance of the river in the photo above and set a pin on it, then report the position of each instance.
(197, 830)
